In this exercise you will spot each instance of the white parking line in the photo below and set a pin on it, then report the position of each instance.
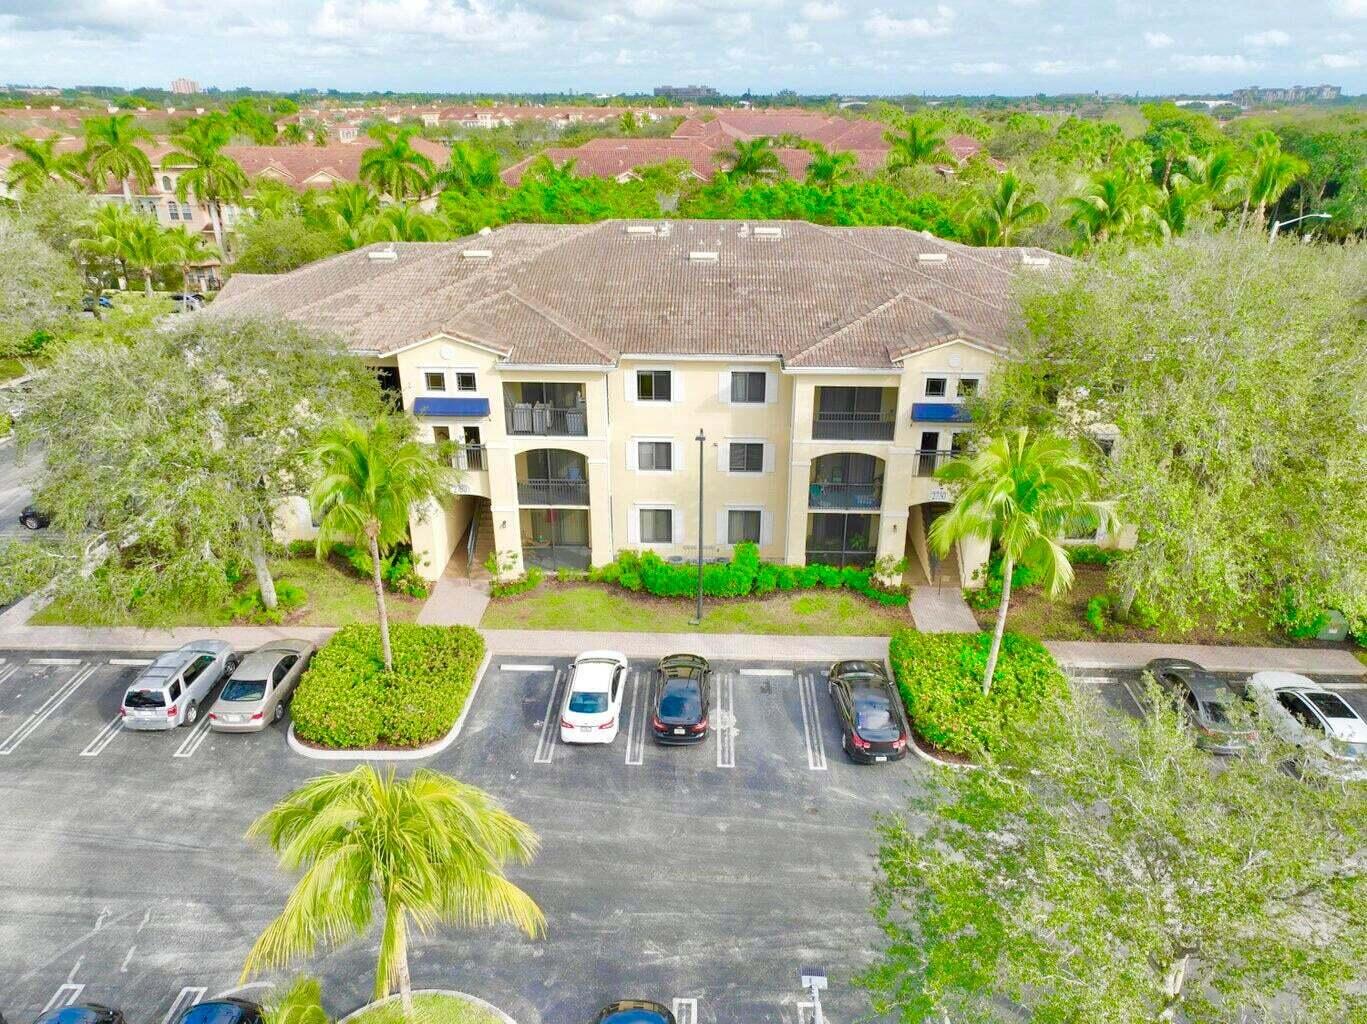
(199, 732)
(1347, 686)
(724, 728)
(186, 998)
(685, 1010)
(54, 661)
(1138, 704)
(64, 996)
(550, 731)
(811, 723)
(766, 672)
(8, 671)
(106, 737)
(130, 661)
(128, 959)
(45, 711)
(636, 723)
(505, 667)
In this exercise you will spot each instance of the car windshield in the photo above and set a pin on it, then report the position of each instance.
(681, 701)
(589, 702)
(69, 1015)
(244, 689)
(144, 699)
(214, 1013)
(1330, 705)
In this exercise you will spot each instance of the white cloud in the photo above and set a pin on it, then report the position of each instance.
(469, 21)
(888, 28)
(1339, 61)
(1352, 8)
(1272, 37)
(1023, 3)
(1055, 67)
(1214, 63)
(985, 67)
(798, 31)
(1158, 40)
(823, 10)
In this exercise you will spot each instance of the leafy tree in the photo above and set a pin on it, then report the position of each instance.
(1272, 173)
(148, 249)
(393, 166)
(627, 123)
(276, 244)
(1019, 493)
(225, 413)
(1172, 145)
(828, 169)
(189, 249)
(1116, 205)
(346, 210)
(372, 477)
(1103, 870)
(112, 151)
(918, 142)
(270, 197)
(404, 222)
(1219, 173)
(301, 1003)
(39, 288)
(246, 119)
(750, 160)
(39, 164)
(106, 236)
(470, 168)
(421, 850)
(1232, 371)
(1335, 182)
(862, 203)
(214, 177)
(994, 216)
(292, 134)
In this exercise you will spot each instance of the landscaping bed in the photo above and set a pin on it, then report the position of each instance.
(348, 701)
(940, 676)
(428, 1008)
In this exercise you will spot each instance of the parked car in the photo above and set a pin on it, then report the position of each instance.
(169, 692)
(593, 698)
(261, 685)
(89, 302)
(190, 300)
(634, 1011)
(873, 726)
(1331, 734)
(34, 518)
(82, 1013)
(681, 707)
(1208, 705)
(228, 1010)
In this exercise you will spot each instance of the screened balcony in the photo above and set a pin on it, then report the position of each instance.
(846, 480)
(550, 409)
(552, 477)
(854, 414)
(841, 539)
(555, 538)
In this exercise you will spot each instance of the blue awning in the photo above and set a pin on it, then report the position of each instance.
(939, 412)
(451, 407)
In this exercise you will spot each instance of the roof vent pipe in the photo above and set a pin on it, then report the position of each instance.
(701, 256)
(932, 257)
(1031, 260)
(477, 254)
(383, 254)
(768, 232)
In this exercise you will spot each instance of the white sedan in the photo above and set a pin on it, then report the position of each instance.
(593, 698)
(1317, 720)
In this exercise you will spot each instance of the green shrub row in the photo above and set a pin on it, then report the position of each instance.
(347, 700)
(249, 607)
(940, 676)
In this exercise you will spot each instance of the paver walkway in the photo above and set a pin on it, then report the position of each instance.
(941, 610)
(455, 601)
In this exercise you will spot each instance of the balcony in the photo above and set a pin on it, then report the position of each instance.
(929, 460)
(842, 540)
(555, 538)
(854, 414)
(545, 410)
(470, 457)
(833, 495)
(545, 491)
(846, 480)
(552, 477)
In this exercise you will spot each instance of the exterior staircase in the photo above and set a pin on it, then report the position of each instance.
(484, 543)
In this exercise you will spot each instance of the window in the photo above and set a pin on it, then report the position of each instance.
(465, 381)
(173, 210)
(657, 526)
(283, 669)
(935, 387)
(1300, 711)
(166, 183)
(655, 456)
(185, 213)
(742, 526)
(175, 690)
(747, 457)
(441, 435)
(197, 668)
(654, 385)
(968, 387)
(433, 381)
(747, 386)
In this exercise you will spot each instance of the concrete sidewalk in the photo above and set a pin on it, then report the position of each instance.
(1313, 660)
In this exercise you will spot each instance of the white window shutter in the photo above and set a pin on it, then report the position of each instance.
(766, 528)
(676, 456)
(633, 454)
(722, 519)
(630, 378)
(634, 526)
(676, 385)
(676, 526)
(724, 387)
(723, 456)
(768, 457)
(770, 387)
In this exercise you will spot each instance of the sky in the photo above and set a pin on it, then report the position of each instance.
(813, 46)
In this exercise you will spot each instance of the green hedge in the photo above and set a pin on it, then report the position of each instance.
(347, 700)
(940, 676)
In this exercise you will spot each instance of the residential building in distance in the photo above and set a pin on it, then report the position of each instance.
(829, 369)
(184, 86)
(686, 93)
(1293, 94)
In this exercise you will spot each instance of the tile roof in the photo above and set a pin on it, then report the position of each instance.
(586, 294)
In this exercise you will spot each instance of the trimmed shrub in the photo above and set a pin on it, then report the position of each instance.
(940, 676)
(347, 700)
(520, 585)
(249, 607)
(1090, 554)
(1098, 613)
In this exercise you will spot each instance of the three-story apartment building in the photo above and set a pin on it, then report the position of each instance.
(827, 370)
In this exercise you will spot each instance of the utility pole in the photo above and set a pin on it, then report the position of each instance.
(813, 979)
(701, 439)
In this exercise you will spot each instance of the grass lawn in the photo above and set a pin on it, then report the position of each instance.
(336, 596)
(429, 1009)
(591, 607)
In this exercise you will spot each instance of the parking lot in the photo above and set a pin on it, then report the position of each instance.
(703, 874)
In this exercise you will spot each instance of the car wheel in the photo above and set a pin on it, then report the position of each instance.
(28, 522)
(191, 712)
(279, 713)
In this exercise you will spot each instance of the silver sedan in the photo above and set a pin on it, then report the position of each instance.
(256, 694)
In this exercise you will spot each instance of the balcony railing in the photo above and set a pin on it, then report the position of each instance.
(929, 460)
(553, 492)
(470, 456)
(860, 558)
(835, 495)
(853, 426)
(547, 420)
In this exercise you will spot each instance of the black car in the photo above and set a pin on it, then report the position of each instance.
(681, 704)
(229, 1010)
(1209, 705)
(82, 1013)
(634, 1011)
(33, 518)
(872, 726)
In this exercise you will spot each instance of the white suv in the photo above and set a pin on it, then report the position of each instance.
(1317, 720)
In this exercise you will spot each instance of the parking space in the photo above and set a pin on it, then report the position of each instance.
(1123, 691)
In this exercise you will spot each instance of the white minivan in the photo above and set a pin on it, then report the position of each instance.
(592, 708)
(170, 691)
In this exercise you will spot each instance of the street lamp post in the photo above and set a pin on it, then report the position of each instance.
(1279, 224)
(701, 439)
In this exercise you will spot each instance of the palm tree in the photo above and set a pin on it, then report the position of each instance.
(1274, 171)
(470, 168)
(106, 234)
(189, 250)
(1173, 145)
(346, 210)
(999, 213)
(422, 850)
(627, 123)
(404, 222)
(214, 177)
(753, 159)
(1220, 174)
(919, 142)
(828, 169)
(293, 134)
(373, 475)
(1115, 205)
(111, 151)
(149, 248)
(393, 166)
(1020, 492)
(1180, 201)
(39, 164)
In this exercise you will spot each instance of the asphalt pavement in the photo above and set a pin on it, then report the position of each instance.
(16, 483)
